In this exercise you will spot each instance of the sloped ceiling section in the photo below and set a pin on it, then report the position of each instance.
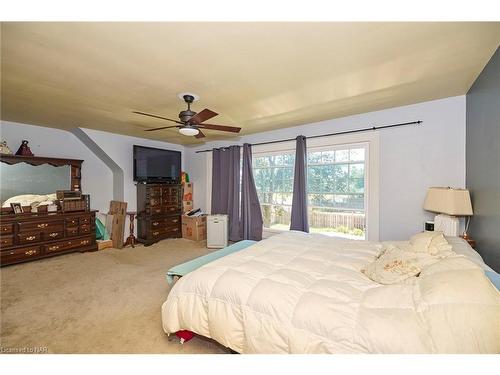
(259, 76)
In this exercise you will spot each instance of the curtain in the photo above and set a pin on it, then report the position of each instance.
(299, 202)
(251, 215)
(226, 187)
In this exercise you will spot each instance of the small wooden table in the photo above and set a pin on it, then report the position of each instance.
(131, 240)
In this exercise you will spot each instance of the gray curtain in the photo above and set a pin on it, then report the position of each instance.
(251, 215)
(226, 187)
(299, 202)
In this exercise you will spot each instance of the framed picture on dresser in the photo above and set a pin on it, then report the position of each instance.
(17, 208)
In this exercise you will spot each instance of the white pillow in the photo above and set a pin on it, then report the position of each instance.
(429, 242)
(439, 245)
(393, 266)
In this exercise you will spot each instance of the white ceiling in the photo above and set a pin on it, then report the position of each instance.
(258, 76)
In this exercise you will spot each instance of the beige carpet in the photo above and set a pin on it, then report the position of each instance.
(103, 302)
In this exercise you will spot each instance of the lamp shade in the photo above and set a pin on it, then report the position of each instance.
(445, 200)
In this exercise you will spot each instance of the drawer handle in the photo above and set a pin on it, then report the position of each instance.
(156, 233)
(175, 220)
(5, 229)
(42, 225)
(175, 229)
(55, 234)
(29, 252)
(84, 242)
(55, 247)
(156, 223)
(30, 238)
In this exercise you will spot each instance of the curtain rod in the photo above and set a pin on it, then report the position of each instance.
(330, 134)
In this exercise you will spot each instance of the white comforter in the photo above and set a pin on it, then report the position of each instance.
(304, 293)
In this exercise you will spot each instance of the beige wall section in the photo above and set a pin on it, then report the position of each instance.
(260, 76)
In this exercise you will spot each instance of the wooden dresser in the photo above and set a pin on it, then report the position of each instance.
(30, 236)
(159, 208)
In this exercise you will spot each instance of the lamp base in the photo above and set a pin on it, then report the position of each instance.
(447, 224)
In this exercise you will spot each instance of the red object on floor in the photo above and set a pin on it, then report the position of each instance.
(184, 335)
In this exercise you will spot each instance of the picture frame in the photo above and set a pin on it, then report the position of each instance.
(18, 209)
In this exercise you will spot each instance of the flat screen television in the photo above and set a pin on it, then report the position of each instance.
(156, 165)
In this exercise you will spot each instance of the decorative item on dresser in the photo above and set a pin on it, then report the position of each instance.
(30, 236)
(158, 212)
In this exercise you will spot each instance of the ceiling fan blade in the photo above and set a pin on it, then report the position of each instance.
(202, 116)
(163, 127)
(155, 116)
(223, 128)
(200, 134)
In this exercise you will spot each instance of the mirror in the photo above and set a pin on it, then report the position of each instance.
(22, 178)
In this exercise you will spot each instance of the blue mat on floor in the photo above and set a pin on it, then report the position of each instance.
(184, 268)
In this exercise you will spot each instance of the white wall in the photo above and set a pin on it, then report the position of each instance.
(120, 149)
(412, 158)
(96, 176)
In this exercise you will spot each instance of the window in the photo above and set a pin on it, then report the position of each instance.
(336, 190)
(336, 178)
(273, 175)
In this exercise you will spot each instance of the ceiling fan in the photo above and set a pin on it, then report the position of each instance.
(191, 123)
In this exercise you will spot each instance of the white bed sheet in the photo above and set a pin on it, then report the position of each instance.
(304, 293)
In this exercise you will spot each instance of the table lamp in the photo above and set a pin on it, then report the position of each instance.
(448, 203)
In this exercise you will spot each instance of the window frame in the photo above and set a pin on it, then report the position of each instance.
(370, 141)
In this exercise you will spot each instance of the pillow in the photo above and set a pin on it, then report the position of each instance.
(439, 245)
(393, 266)
(429, 242)
(421, 241)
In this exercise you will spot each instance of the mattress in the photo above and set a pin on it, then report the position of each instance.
(304, 293)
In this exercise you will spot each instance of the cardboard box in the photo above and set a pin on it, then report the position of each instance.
(194, 227)
(187, 206)
(104, 244)
(187, 191)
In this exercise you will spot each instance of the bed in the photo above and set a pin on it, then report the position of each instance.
(305, 293)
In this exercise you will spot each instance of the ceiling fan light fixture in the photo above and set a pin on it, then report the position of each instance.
(189, 131)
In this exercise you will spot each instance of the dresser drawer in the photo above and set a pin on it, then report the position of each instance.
(154, 210)
(173, 229)
(72, 232)
(6, 241)
(15, 255)
(72, 222)
(171, 209)
(154, 191)
(67, 245)
(45, 226)
(85, 229)
(6, 228)
(157, 223)
(157, 233)
(172, 221)
(53, 235)
(29, 237)
(170, 190)
(86, 220)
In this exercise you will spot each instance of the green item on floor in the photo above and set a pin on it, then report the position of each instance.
(100, 231)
